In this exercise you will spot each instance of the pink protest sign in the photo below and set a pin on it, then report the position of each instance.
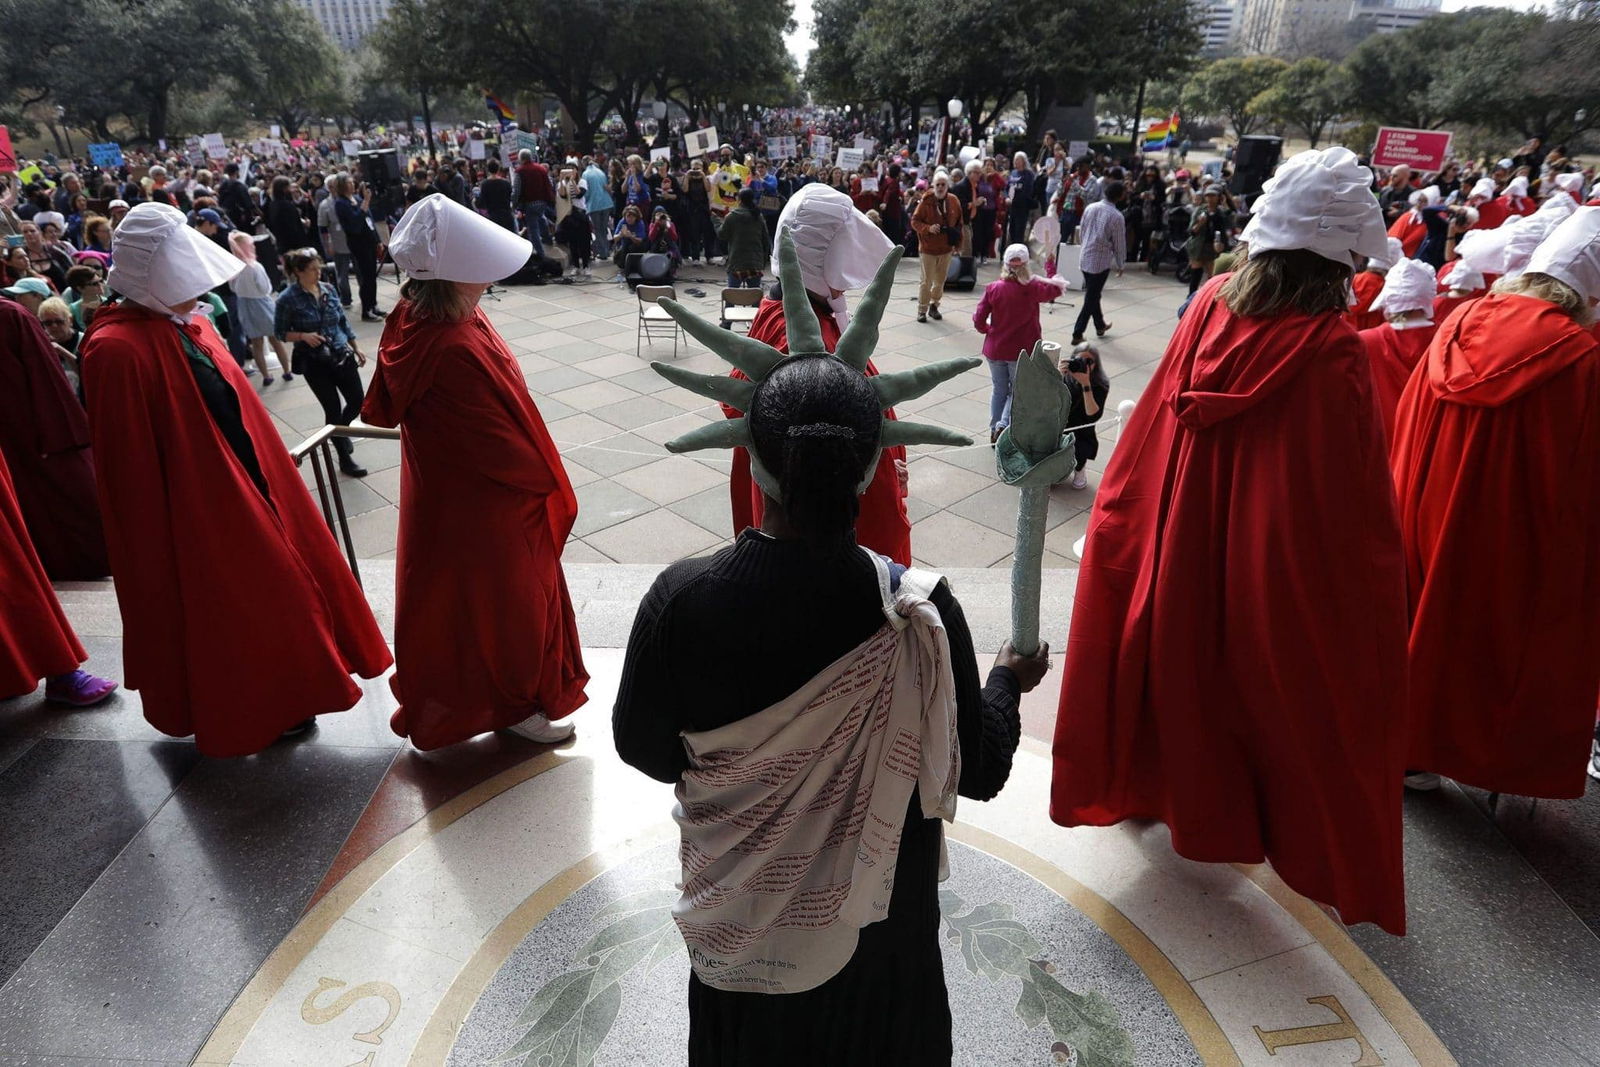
(1421, 150)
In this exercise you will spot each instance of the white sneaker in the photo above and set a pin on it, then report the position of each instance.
(1594, 760)
(1079, 480)
(1422, 781)
(583, 272)
(538, 728)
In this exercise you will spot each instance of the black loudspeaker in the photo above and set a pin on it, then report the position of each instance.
(962, 277)
(380, 168)
(1254, 160)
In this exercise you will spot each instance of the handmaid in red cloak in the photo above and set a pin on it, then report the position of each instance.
(1409, 229)
(1496, 456)
(1368, 283)
(1395, 347)
(1235, 665)
(485, 635)
(36, 640)
(240, 618)
(839, 249)
(44, 437)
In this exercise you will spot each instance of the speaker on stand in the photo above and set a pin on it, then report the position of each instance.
(1254, 160)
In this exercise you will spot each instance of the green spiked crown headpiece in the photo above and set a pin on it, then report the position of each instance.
(757, 360)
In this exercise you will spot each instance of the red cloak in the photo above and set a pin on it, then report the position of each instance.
(1496, 456)
(1444, 306)
(485, 634)
(1393, 354)
(36, 640)
(1410, 231)
(1366, 286)
(883, 525)
(44, 437)
(240, 617)
(1235, 665)
(1492, 214)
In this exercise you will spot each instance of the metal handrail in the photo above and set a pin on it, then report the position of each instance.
(319, 446)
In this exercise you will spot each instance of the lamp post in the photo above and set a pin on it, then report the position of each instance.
(953, 109)
(61, 117)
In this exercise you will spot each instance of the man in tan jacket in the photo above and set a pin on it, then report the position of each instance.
(937, 217)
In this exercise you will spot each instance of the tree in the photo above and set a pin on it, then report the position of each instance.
(1149, 41)
(1228, 87)
(295, 72)
(1309, 96)
(421, 43)
(371, 94)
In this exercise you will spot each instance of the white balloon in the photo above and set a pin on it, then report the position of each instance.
(1125, 408)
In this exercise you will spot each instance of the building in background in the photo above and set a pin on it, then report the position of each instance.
(1292, 28)
(348, 21)
(1218, 24)
(1387, 16)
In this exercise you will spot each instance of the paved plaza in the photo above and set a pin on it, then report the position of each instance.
(609, 413)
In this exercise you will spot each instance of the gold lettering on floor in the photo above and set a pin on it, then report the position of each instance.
(318, 1015)
(1343, 1030)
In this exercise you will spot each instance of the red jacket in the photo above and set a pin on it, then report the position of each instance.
(1008, 316)
(203, 560)
(1228, 670)
(485, 634)
(1392, 355)
(535, 184)
(1496, 453)
(36, 641)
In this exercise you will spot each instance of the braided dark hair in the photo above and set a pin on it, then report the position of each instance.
(816, 425)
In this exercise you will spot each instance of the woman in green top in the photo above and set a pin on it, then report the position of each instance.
(744, 234)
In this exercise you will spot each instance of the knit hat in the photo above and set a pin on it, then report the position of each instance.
(1410, 285)
(439, 239)
(1320, 201)
(1572, 253)
(160, 261)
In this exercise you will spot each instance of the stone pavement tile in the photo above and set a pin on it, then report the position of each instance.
(375, 532)
(552, 410)
(978, 458)
(673, 478)
(710, 509)
(941, 484)
(591, 395)
(605, 503)
(918, 509)
(947, 540)
(964, 414)
(1060, 539)
(532, 363)
(578, 551)
(360, 498)
(577, 353)
(641, 379)
(1049, 560)
(385, 483)
(603, 330)
(549, 382)
(565, 320)
(996, 508)
(376, 455)
(516, 329)
(656, 537)
(636, 412)
(616, 366)
(664, 431)
(544, 340)
(577, 473)
(613, 455)
(579, 429)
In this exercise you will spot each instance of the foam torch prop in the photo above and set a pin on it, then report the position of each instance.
(1033, 454)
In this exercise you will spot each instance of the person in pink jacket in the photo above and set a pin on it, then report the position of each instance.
(1008, 318)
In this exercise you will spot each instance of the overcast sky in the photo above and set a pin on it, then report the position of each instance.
(800, 40)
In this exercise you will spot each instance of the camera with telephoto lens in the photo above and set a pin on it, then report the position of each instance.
(1078, 365)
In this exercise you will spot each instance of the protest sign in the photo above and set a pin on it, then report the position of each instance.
(106, 154)
(869, 185)
(850, 159)
(194, 152)
(821, 147)
(215, 146)
(927, 144)
(8, 156)
(781, 147)
(968, 154)
(1077, 149)
(866, 144)
(275, 131)
(664, 152)
(352, 149)
(1421, 150)
(697, 143)
(476, 149)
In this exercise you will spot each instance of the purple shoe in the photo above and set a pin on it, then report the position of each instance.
(78, 688)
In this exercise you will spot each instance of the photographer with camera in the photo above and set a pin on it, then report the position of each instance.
(1086, 380)
(355, 218)
(937, 223)
(1445, 225)
(308, 316)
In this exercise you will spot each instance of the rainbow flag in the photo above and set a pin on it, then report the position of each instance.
(1162, 134)
(498, 107)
